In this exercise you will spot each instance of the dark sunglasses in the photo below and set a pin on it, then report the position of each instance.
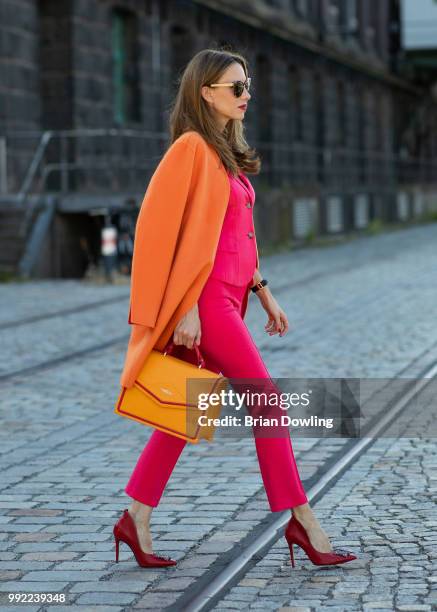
(238, 86)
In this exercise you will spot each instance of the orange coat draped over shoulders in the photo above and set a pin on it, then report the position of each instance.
(176, 238)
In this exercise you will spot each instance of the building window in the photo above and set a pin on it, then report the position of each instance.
(379, 120)
(369, 15)
(264, 98)
(333, 16)
(55, 65)
(264, 112)
(125, 67)
(349, 18)
(181, 49)
(341, 115)
(361, 131)
(295, 101)
(301, 7)
(319, 110)
(319, 124)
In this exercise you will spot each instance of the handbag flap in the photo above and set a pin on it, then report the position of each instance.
(166, 379)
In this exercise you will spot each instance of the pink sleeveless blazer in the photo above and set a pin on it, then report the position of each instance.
(235, 260)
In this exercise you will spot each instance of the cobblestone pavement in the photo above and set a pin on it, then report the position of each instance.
(365, 308)
(383, 509)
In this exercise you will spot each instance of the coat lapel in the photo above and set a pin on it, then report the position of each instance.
(244, 182)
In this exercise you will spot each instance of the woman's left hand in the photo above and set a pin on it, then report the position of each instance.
(277, 322)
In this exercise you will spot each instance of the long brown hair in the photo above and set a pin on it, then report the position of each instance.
(190, 111)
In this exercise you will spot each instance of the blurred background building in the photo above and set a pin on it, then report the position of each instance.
(343, 113)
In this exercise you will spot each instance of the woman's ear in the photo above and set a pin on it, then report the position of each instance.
(206, 94)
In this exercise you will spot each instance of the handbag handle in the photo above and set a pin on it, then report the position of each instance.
(200, 360)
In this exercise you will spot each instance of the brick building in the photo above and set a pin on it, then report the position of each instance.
(84, 94)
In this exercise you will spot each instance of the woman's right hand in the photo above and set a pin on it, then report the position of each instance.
(188, 330)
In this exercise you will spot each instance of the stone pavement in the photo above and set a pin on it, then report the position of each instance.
(365, 308)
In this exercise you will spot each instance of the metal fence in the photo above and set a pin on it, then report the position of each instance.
(122, 161)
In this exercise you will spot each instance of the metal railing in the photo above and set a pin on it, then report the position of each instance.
(65, 161)
(105, 161)
(341, 168)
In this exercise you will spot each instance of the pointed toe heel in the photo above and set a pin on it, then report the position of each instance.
(295, 533)
(125, 531)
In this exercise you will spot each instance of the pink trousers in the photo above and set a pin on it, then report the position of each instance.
(227, 347)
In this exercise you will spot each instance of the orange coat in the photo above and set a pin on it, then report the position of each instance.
(176, 238)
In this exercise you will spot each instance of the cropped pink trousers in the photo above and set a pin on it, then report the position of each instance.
(227, 347)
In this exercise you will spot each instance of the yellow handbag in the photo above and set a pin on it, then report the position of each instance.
(165, 396)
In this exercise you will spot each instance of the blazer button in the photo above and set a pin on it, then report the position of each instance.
(250, 234)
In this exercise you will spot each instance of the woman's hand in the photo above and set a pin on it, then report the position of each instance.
(188, 330)
(277, 322)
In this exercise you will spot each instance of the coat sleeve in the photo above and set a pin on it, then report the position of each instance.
(157, 229)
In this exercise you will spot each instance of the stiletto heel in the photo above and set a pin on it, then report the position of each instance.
(295, 533)
(290, 546)
(126, 531)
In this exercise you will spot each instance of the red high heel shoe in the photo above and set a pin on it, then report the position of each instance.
(295, 533)
(126, 531)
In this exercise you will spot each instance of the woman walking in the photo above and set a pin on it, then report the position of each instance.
(195, 261)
